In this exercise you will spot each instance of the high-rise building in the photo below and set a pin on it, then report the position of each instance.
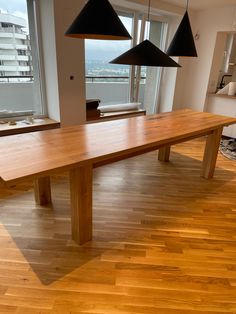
(15, 56)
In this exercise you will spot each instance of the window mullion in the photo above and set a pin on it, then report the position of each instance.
(133, 68)
(138, 72)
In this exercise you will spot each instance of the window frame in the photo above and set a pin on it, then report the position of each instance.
(39, 77)
(34, 16)
(135, 71)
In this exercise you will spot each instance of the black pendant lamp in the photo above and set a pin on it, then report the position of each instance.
(146, 54)
(182, 44)
(98, 20)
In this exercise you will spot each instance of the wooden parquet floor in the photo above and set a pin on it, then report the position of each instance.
(164, 242)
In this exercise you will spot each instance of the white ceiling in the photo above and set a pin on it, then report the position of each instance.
(202, 4)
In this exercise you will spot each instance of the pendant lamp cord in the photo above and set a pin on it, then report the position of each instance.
(187, 5)
(149, 4)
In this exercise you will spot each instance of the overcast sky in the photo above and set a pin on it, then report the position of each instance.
(15, 7)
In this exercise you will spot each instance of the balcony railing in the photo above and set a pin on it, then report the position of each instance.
(89, 78)
(108, 78)
(118, 91)
(11, 30)
(16, 78)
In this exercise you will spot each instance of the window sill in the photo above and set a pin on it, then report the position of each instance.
(117, 115)
(20, 127)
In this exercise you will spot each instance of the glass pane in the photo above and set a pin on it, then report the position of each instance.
(19, 88)
(105, 81)
(140, 85)
(150, 76)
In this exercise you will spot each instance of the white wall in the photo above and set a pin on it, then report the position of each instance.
(157, 6)
(63, 58)
(169, 75)
(192, 86)
(49, 57)
(70, 63)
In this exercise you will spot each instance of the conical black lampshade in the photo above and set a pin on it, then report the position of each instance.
(98, 20)
(145, 54)
(182, 44)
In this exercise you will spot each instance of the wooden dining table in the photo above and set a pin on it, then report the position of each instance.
(78, 149)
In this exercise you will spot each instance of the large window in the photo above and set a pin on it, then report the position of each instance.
(20, 77)
(99, 72)
(117, 84)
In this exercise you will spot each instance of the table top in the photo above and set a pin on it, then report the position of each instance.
(42, 153)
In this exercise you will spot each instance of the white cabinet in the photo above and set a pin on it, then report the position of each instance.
(223, 105)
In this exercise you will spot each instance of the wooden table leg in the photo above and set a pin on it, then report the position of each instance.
(164, 153)
(42, 191)
(81, 203)
(211, 152)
